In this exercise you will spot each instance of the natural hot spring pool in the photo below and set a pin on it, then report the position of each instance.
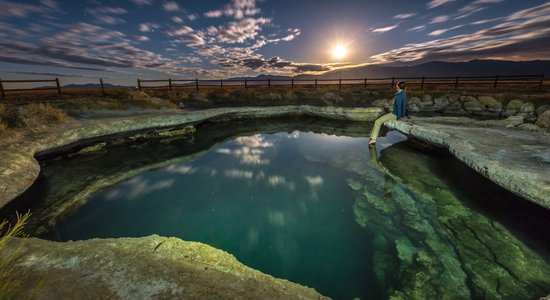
(309, 202)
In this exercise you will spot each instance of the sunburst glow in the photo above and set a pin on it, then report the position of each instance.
(339, 51)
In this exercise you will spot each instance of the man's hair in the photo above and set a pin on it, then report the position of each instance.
(401, 84)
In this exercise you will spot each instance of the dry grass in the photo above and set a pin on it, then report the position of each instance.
(119, 100)
(259, 94)
(46, 114)
(36, 117)
(11, 277)
(2, 125)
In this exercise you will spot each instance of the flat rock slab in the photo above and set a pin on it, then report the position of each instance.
(517, 160)
(151, 267)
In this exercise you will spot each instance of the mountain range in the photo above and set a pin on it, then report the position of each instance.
(440, 68)
(432, 69)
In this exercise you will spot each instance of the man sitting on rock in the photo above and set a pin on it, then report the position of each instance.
(399, 111)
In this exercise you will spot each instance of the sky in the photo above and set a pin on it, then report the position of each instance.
(157, 39)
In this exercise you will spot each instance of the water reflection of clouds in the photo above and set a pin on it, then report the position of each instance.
(254, 141)
(314, 183)
(250, 150)
(294, 135)
(277, 180)
(235, 173)
(181, 169)
(271, 180)
(138, 186)
(276, 218)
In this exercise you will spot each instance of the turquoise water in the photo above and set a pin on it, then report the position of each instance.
(319, 209)
(255, 197)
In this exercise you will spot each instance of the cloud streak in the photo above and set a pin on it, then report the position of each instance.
(525, 35)
(436, 3)
(385, 29)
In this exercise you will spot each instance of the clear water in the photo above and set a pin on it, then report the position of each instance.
(319, 209)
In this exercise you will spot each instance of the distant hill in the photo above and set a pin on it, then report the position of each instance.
(264, 77)
(431, 69)
(91, 86)
(439, 68)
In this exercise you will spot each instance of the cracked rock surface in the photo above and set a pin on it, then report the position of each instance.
(515, 159)
(150, 267)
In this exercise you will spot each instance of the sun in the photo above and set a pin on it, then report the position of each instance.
(339, 51)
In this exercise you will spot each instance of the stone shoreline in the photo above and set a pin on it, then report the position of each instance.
(513, 158)
(517, 160)
(19, 169)
(151, 267)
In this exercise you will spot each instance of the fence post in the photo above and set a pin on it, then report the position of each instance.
(170, 83)
(139, 84)
(315, 83)
(365, 85)
(2, 90)
(58, 86)
(197, 84)
(392, 82)
(245, 83)
(292, 83)
(102, 87)
(221, 83)
(496, 81)
(269, 83)
(340, 84)
(422, 84)
(456, 82)
(540, 84)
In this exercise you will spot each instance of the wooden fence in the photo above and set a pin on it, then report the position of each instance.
(453, 82)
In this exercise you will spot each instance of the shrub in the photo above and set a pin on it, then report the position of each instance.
(46, 113)
(10, 276)
(34, 116)
(142, 99)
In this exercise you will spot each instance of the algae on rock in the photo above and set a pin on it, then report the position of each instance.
(442, 249)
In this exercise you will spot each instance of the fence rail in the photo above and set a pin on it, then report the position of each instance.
(536, 81)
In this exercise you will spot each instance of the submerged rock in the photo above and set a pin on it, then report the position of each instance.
(442, 248)
(354, 184)
(497, 264)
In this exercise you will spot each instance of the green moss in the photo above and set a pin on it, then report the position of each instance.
(405, 250)
(94, 148)
(177, 132)
(354, 184)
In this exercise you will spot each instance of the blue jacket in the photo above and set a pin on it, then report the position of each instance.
(400, 104)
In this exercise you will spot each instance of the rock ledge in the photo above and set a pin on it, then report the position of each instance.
(515, 159)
